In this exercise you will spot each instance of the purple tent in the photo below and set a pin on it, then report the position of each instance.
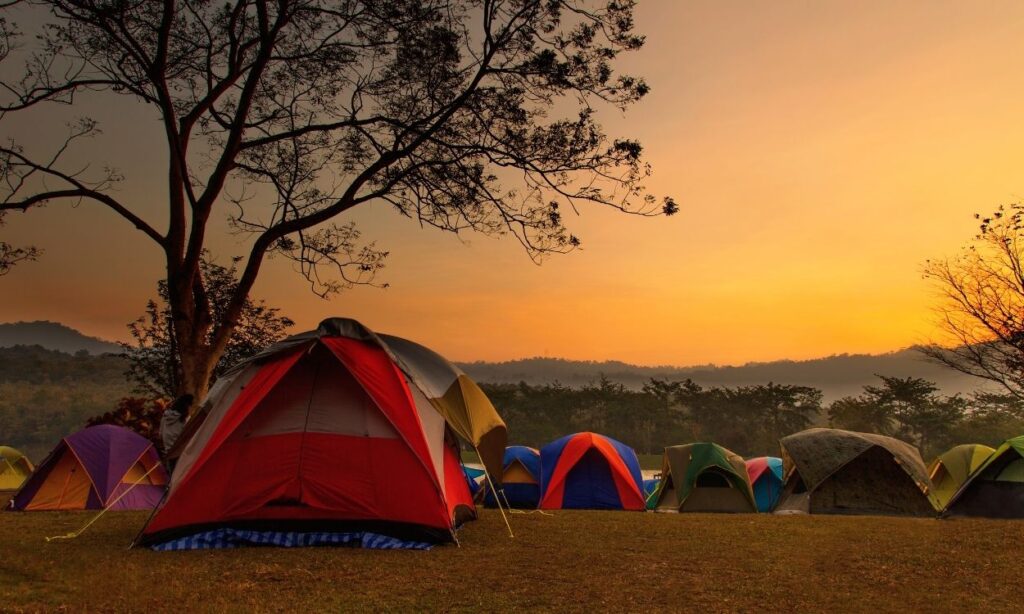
(95, 468)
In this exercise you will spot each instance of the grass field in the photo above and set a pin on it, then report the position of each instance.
(612, 561)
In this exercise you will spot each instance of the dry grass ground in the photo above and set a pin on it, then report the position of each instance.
(608, 561)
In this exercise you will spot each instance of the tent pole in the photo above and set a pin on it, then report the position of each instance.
(507, 504)
(8, 463)
(494, 490)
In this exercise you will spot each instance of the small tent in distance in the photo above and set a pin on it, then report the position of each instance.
(520, 479)
(765, 474)
(951, 469)
(14, 468)
(476, 475)
(703, 477)
(996, 489)
(590, 471)
(832, 471)
(650, 490)
(98, 467)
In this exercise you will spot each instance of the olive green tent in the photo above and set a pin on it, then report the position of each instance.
(14, 468)
(831, 471)
(951, 469)
(996, 489)
(703, 477)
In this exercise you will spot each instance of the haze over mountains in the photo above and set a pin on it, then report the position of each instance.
(53, 336)
(836, 376)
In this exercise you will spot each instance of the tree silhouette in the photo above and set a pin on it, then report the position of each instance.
(138, 414)
(11, 255)
(860, 414)
(982, 312)
(282, 116)
(154, 366)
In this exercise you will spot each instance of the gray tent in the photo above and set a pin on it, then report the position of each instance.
(831, 471)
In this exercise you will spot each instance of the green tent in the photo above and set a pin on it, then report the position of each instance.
(952, 468)
(832, 471)
(651, 492)
(703, 477)
(996, 488)
(14, 468)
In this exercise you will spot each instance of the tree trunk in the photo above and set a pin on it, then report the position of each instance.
(192, 324)
(197, 364)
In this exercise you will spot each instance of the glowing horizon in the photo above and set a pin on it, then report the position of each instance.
(819, 153)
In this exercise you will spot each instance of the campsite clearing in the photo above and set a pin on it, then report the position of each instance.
(568, 560)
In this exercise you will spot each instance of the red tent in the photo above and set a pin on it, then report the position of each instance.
(323, 435)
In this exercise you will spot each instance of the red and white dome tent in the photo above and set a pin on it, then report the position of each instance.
(337, 435)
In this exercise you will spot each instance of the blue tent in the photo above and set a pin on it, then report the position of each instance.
(590, 471)
(765, 473)
(472, 474)
(520, 478)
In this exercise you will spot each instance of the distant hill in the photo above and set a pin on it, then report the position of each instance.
(836, 376)
(47, 394)
(53, 336)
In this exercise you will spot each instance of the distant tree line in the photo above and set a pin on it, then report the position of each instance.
(46, 394)
(750, 420)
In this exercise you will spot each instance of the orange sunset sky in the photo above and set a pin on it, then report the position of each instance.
(820, 151)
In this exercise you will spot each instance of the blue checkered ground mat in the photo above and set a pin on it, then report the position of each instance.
(235, 538)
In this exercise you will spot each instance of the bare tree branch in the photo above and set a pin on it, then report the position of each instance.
(982, 313)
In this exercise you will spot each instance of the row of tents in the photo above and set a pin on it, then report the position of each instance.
(344, 436)
(831, 471)
(592, 471)
(822, 471)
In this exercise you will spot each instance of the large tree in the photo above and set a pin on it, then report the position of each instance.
(981, 315)
(154, 367)
(284, 115)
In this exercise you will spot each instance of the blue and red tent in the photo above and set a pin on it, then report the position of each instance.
(590, 471)
(765, 474)
(520, 479)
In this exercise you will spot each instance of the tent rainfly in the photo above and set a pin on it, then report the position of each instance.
(952, 468)
(703, 477)
(996, 488)
(765, 473)
(14, 468)
(590, 471)
(832, 471)
(95, 468)
(520, 480)
(335, 436)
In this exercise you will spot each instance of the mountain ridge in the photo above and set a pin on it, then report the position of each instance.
(837, 375)
(53, 336)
